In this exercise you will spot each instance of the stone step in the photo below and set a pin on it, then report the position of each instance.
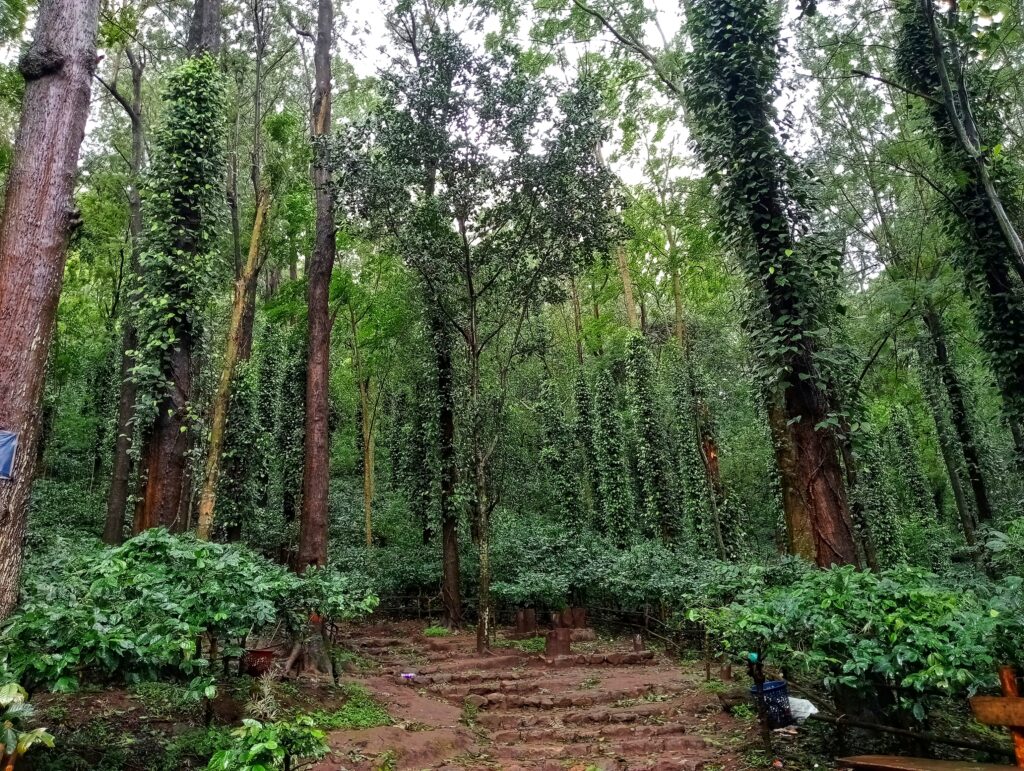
(451, 678)
(612, 659)
(585, 735)
(657, 745)
(563, 699)
(637, 713)
(472, 663)
(460, 691)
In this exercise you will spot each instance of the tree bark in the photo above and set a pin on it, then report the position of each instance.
(245, 291)
(35, 226)
(817, 517)
(315, 478)
(117, 495)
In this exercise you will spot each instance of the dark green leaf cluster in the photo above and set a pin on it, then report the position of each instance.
(181, 201)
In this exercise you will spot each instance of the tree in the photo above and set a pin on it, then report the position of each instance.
(492, 229)
(36, 223)
(316, 466)
(180, 203)
(990, 252)
(790, 273)
(655, 481)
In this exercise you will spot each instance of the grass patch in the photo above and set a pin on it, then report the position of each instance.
(435, 630)
(167, 700)
(529, 645)
(359, 711)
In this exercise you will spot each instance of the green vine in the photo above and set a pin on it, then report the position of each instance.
(181, 202)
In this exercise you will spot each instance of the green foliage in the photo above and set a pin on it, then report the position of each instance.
(135, 612)
(903, 628)
(556, 456)
(436, 631)
(263, 747)
(181, 200)
(615, 495)
(15, 712)
(656, 484)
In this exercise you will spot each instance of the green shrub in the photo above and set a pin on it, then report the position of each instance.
(903, 628)
(260, 747)
(136, 611)
(436, 631)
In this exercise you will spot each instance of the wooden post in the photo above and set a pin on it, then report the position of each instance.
(1008, 681)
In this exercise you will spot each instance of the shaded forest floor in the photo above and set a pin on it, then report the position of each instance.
(604, 707)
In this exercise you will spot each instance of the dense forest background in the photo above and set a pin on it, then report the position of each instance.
(578, 302)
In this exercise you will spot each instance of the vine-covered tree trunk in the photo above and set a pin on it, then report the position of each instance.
(35, 225)
(316, 468)
(451, 596)
(729, 96)
(949, 450)
(166, 440)
(989, 248)
(235, 351)
(958, 413)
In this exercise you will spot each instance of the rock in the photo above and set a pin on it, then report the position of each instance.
(476, 700)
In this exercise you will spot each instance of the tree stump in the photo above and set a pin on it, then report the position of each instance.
(558, 642)
(526, 621)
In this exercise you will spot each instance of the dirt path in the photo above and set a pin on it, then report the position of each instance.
(602, 708)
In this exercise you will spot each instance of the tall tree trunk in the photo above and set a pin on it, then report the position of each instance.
(245, 293)
(165, 443)
(117, 495)
(958, 412)
(948, 449)
(677, 309)
(482, 504)
(34, 228)
(316, 469)
(622, 260)
(451, 596)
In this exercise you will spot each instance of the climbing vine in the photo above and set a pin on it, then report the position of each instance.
(655, 481)
(182, 199)
(615, 494)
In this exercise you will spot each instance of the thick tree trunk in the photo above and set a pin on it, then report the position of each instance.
(165, 443)
(34, 229)
(117, 496)
(245, 292)
(813, 496)
(165, 448)
(451, 596)
(315, 478)
(958, 413)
